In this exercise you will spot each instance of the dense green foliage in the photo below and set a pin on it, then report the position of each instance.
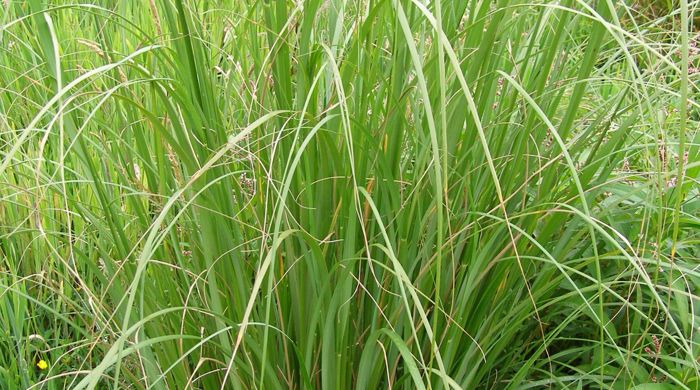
(344, 194)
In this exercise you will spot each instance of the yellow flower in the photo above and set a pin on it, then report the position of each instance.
(42, 364)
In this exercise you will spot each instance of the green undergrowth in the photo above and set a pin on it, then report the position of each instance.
(339, 194)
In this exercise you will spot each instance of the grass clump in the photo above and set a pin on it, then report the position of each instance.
(348, 194)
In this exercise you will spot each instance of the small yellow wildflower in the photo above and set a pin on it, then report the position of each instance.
(42, 365)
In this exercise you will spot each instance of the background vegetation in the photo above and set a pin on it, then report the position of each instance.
(349, 194)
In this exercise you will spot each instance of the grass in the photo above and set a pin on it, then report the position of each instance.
(349, 194)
